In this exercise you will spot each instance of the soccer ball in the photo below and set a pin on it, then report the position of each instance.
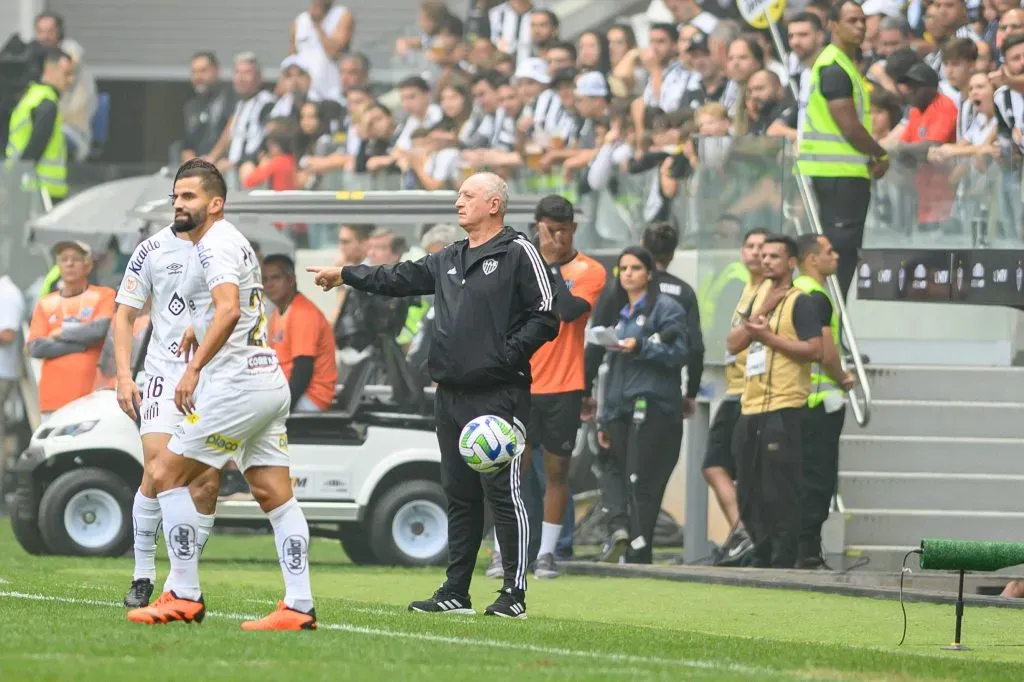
(488, 444)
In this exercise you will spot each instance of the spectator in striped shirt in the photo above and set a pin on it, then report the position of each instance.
(511, 28)
(667, 79)
(243, 137)
(544, 28)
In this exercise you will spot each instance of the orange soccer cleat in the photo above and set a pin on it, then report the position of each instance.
(169, 608)
(283, 618)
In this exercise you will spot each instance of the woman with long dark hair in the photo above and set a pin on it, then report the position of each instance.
(640, 420)
(592, 53)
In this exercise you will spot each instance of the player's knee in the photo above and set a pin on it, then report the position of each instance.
(556, 469)
(270, 494)
(147, 487)
(204, 491)
(165, 474)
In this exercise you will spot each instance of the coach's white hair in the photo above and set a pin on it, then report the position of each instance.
(494, 186)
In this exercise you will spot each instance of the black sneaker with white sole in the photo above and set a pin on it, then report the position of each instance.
(736, 549)
(139, 593)
(509, 604)
(444, 601)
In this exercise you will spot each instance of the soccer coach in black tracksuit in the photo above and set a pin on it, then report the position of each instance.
(493, 300)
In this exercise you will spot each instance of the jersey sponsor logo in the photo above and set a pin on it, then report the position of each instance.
(490, 265)
(222, 443)
(204, 255)
(130, 284)
(140, 258)
(175, 268)
(262, 361)
(282, 441)
(176, 306)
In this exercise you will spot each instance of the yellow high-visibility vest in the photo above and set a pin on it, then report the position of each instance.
(52, 167)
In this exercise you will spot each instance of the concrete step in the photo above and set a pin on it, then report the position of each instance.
(943, 419)
(965, 384)
(965, 492)
(890, 558)
(905, 454)
(905, 527)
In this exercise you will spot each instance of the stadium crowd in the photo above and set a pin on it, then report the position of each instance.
(503, 90)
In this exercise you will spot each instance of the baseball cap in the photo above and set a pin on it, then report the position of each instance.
(66, 244)
(535, 69)
(888, 8)
(921, 74)
(295, 60)
(591, 84)
(699, 43)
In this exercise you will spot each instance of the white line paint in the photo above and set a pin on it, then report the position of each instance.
(2, 581)
(754, 671)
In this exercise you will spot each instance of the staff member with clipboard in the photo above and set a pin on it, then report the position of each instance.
(640, 421)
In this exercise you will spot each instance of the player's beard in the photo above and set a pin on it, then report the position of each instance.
(186, 222)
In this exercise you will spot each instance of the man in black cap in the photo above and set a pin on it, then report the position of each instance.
(930, 123)
(713, 82)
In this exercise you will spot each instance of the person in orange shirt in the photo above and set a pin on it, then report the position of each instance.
(302, 338)
(556, 395)
(69, 328)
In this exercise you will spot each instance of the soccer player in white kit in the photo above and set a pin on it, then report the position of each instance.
(236, 401)
(152, 276)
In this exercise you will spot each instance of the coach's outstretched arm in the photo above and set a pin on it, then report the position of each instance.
(408, 278)
(536, 292)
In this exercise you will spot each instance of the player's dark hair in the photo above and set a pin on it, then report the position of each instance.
(209, 177)
(662, 240)
(285, 262)
(751, 232)
(808, 18)
(807, 244)
(792, 250)
(556, 208)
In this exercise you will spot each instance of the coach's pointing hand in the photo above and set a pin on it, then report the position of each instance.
(325, 277)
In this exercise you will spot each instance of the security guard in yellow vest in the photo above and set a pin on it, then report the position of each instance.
(719, 466)
(36, 130)
(782, 337)
(834, 144)
(826, 405)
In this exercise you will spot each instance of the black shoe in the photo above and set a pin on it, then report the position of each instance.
(444, 601)
(509, 604)
(812, 563)
(614, 547)
(736, 548)
(545, 567)
(139, 593)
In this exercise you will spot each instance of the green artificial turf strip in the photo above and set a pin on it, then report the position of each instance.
(578, 629)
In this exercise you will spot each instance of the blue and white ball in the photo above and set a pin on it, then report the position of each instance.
(488, 444)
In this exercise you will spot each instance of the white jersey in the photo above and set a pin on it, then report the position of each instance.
(155, 272)
(325, 80)
(225, 256)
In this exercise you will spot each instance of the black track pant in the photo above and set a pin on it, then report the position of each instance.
(768, 472)
(820, 432)
(466, 489)
(657, 442)
(843, 209)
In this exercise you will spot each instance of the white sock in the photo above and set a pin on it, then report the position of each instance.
(291, 535)
(146, 520)
(205, 530)
(549, 533)
(181, 524)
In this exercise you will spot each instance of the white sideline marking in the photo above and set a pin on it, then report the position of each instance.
(2, 581)
(458, 641)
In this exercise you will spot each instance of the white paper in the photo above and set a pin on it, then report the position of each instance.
(603, 336)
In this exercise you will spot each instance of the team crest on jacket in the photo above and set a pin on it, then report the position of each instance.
(490, 265)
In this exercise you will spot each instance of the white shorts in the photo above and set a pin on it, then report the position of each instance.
(159, 415)
(228, 423)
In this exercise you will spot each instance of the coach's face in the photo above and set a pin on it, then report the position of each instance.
(473, 204)
(192, 204)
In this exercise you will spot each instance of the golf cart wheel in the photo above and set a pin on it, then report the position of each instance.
(409, 525)
(356, 543)
(25, 523)
(87, 512)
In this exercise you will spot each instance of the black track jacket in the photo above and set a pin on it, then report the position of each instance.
(493, 307)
